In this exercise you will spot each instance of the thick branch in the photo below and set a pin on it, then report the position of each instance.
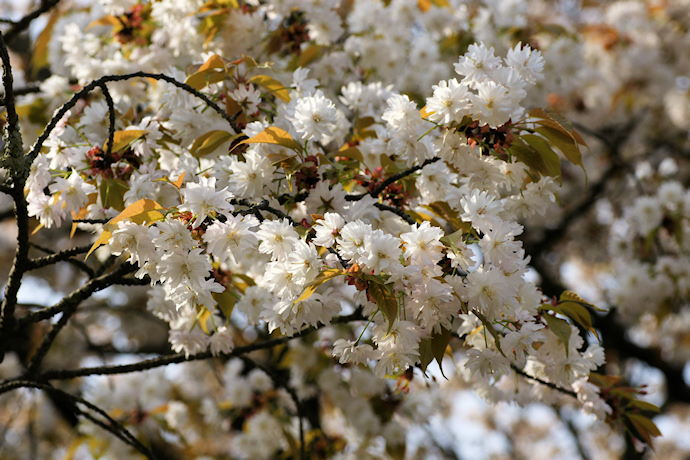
(8, 82)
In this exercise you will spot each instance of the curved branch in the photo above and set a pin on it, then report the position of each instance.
(24, 23)
(64, 374)
(394, 178)
(36, 148)
(279, 381)
(68, 306)
(62, 256)
(112, 425)
(399, 212)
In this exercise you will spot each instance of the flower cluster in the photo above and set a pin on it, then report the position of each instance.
(286, 167)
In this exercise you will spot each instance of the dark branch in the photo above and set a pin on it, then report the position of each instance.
(8, 82)
(396, 211)
(553, 386)
(24, 23)
(62, 256)
(112, 425)
(111, 119)
(394, 178)
(63, 374)
(114, 78)
(264, 206)
(68, 306)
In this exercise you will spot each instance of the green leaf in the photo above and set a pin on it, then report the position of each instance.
(425, 354)
(385, 300)
(645, 428)
(548, 165)
(549, 158)
(439, 342)
(226, 302)
(112, 193)
(645, 406)
(324, 276)
(561, 328)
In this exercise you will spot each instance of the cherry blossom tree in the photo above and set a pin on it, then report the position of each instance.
(344, 229)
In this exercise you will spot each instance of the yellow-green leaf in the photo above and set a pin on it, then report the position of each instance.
(309, 55)
(425, 113)
(324, 276)
(561, 328)
(577, 313)
(209, 142)
(108, 20)
(570, 296)
(273, 135)
(122, 139)
(385, 300)
(39, 58)
(544, 162)
(444, 211)
(112, 193)
(352, 153)
(564, 142)
(141, 212)
(211, 71)
(271, 84)
(226, 302)
(214, 62)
